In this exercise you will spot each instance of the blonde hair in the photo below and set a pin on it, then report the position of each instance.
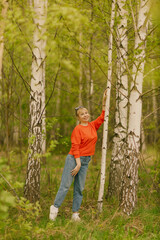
(77, 109)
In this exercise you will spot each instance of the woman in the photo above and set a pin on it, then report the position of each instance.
(83, 139)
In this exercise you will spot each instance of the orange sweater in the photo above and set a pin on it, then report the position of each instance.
(84, 138)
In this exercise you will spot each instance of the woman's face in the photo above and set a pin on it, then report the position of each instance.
(83, 115)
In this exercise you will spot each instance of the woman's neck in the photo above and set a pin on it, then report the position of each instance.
(84, 123)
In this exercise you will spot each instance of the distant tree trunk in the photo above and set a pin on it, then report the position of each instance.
(130, 178)
(15, 130)
(20, 127)
(143, 143)
(90, 75)
(106, 118)
(154, 100)
(6, 102)
(6, 141)
(2, 24)
(4, 4)
(58, 102)
(43, 109)
(15, 135)
(44, 114)
(80, 70)
(30, 2)
(32, 186)
(120, 130)
(43, 56)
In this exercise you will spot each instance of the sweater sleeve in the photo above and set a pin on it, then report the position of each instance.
(98, 122)
(76, 141)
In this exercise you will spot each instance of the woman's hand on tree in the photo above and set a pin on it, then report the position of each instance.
(104, 99)
(104, 96)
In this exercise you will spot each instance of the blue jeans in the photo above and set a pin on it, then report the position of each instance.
(79, 181)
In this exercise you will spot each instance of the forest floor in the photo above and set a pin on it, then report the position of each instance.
(26, 221)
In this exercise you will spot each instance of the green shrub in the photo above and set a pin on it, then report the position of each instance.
(6, 198)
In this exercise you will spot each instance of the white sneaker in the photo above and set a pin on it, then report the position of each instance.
(75, 217)
(53, 213)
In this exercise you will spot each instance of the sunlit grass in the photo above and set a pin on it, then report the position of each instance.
(111, 224)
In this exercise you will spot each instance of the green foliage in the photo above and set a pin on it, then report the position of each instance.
(31, 139)
(29, 221)
(50, 122)
(156, 176)
(155, 11)
(6, 198)
(29, 210)
(65, 21)
(68, 14)
(53, 145)
(24, 225)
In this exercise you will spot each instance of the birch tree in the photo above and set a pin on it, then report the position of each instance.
(32, 186)
(130, 178)
(90, 75)
(107, 107)
(120, 130)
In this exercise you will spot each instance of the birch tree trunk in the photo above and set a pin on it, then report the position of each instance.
(106, 118)
(120, 130)
(130, 178)
(32, 185)
(90, 79)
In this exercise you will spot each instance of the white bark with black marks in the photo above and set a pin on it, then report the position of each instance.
(130, 178)
(32, 186)
(120, 130)
(107, 107)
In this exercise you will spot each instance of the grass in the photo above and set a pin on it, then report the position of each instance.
(112, 224)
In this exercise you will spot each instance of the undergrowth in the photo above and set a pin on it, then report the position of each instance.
(24, 220)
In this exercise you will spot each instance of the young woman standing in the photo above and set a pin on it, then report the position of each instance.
(83, 139)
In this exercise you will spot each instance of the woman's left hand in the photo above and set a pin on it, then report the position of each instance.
(104, 95)
(75, 170)
(104, 99)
